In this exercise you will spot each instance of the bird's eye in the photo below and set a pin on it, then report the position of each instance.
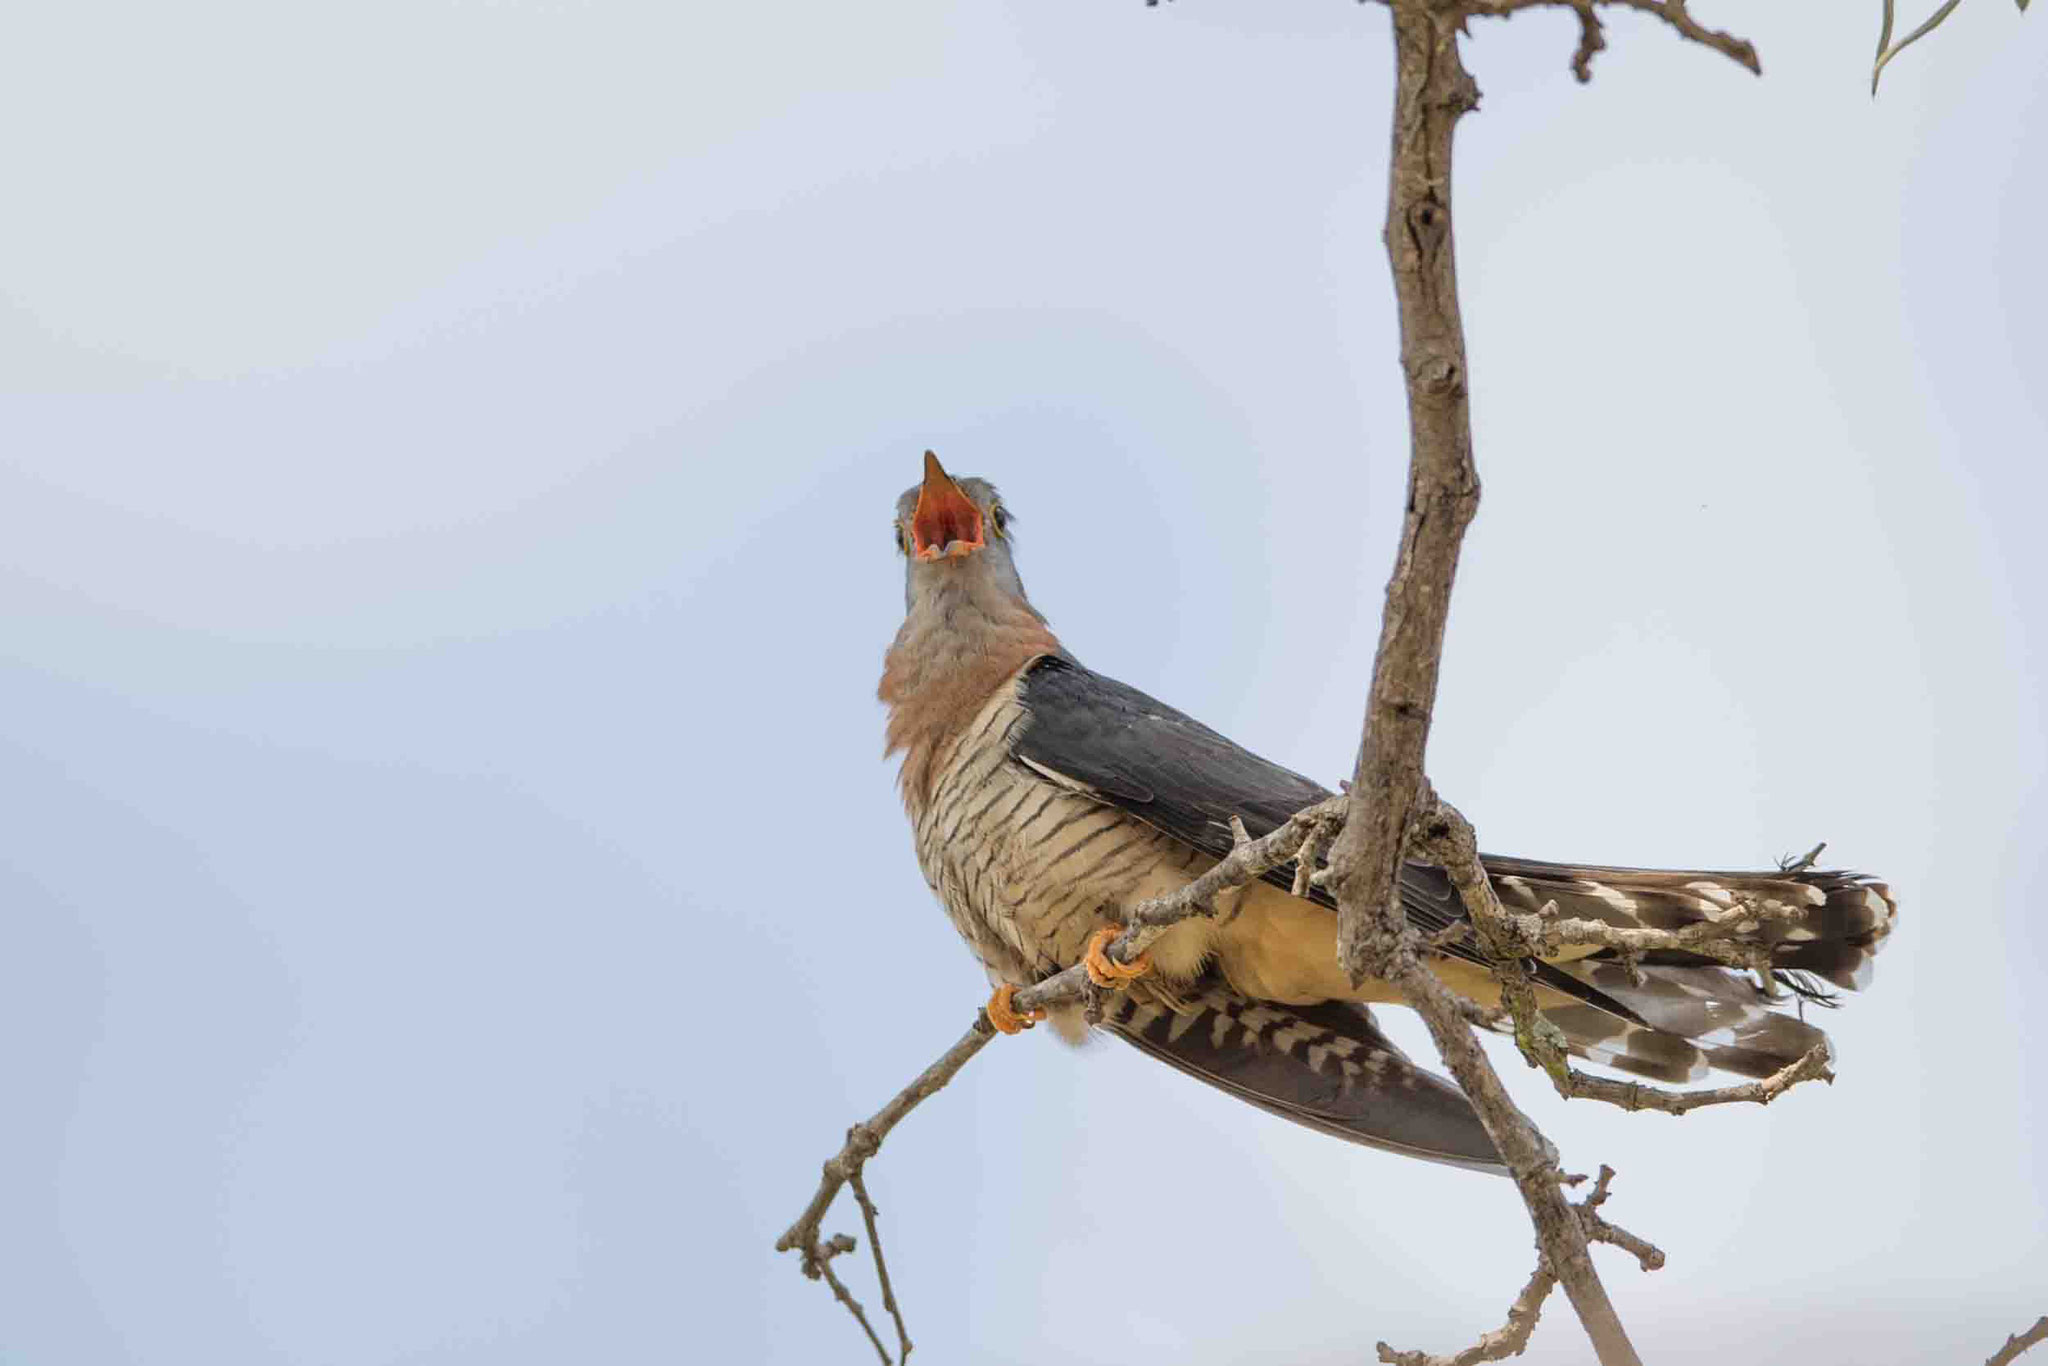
(999, 516)
(902, 546)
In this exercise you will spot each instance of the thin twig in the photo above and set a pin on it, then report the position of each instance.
(868, 1213)
(1512, 1337)
(2019, 1342)
(863, 1141)
(1814, 1065)
(1672, 12)
(1508, 1340)
(1592, 40)
(1647, 1254)
(819, 1263)
(1714, 936)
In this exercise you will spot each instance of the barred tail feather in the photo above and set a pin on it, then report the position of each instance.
(1607, 1038)
(1681, 1014)
(1704, 1018)
(1837, 924)
(1324, 1066)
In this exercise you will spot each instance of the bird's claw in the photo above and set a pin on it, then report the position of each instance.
(1105, 971)
(1004, 1016)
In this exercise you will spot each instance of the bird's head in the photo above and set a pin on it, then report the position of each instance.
(954, 534)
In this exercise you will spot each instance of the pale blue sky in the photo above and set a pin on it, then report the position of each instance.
(453, 898)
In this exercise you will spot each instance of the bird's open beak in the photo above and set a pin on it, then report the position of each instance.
(947, 524)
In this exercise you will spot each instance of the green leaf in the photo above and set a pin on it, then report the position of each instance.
(1886, 53)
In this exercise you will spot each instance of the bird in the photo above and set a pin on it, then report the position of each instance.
(1046, 800)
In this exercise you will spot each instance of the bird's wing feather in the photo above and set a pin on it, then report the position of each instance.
(1326, 1066)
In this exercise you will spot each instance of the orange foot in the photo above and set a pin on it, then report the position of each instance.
(1102, 970)
(1004, 1018)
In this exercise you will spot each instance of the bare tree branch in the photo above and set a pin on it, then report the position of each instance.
(868, 1214)
(1432, 91)
(1718, 935)
(819, 1263)
(863, 1141)
(1530, 1158)
(1508, 1340)
(1512, 1337)
(2019, 1342)
(1636, 1095)
(1673, 12)
(1647, 1254)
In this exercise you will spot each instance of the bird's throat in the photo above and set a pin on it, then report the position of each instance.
(963, 638)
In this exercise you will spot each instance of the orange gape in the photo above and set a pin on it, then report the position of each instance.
(946, 524)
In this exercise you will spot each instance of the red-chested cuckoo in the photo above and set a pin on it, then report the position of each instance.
(1046, 800)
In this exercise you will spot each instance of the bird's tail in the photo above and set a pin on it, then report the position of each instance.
(1324, 1066)
(1679, 1014)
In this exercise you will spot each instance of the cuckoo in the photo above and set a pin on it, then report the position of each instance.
(1046, 800)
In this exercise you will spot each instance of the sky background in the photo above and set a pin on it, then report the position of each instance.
(451, 894)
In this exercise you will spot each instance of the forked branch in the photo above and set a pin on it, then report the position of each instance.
(1513, 1336)
(1592, 38)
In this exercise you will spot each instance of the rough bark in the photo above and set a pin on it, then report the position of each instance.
(1432, 91)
